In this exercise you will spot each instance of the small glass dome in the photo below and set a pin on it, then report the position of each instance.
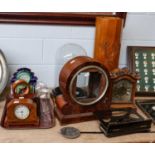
(64, 54)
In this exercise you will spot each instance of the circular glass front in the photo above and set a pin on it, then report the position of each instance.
(122, 91)
(21, 89)
(22, 112)
(88, 85)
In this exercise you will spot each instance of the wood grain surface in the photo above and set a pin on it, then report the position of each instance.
(108, 41)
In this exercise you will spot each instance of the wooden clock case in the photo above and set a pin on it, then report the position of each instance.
(69, 110)
(23, 99)
(11, 120)
(118, 75)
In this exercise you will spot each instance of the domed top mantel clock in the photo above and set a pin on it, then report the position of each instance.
(123, 87)
(84, 83)
(21, 110)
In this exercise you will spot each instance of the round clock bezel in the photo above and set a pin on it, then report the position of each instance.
(103, 92)
(21, 106)
(4, 72)
(84, 64)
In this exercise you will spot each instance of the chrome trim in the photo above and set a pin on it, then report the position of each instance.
(103, 93)
(4, 73)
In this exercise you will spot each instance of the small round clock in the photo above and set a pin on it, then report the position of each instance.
(22, 112)
(27, 75)
(21, 88)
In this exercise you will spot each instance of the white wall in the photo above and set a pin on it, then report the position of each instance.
(36, 46)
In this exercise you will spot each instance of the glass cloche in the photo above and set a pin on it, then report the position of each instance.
(64, 54)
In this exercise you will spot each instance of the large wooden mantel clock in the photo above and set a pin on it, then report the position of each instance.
(84, 84)
(21, 110)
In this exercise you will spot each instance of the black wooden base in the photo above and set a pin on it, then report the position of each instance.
(125, 125)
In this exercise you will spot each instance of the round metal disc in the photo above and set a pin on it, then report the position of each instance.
(4, 73)
(153, 108)
(134, 116)
(70, 132)
(119, 113)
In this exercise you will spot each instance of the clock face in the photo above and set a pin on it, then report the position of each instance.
(24, 76)
(21, 112)
(122, 91)
(20, 89)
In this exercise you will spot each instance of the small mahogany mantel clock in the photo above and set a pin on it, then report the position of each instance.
(123, 87)
(21, 110)
(84, 83)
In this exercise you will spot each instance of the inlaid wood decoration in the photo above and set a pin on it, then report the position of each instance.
(108, 41)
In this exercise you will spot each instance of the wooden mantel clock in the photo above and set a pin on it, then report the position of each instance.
(123, 87)
(84, 83)
(21, 110)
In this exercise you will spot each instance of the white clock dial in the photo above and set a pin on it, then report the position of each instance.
(22, 112)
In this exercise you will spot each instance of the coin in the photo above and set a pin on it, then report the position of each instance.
(153, 108)
(70, 132)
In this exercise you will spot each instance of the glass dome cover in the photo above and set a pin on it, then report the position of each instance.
(69, 51)
(64, 54)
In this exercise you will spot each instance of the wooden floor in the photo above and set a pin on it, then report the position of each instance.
(53, 136)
